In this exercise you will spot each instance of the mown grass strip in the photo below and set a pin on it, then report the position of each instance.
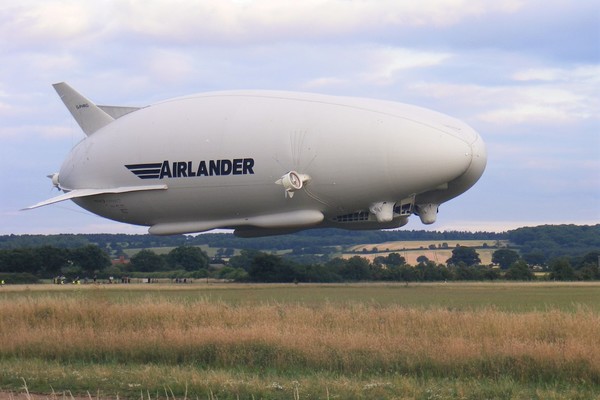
(187, 381)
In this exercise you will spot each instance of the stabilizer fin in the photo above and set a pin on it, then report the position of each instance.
(118, 111)
(89, 116)
(73, 194)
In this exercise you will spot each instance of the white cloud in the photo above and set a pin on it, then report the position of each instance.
(170, 66)
(581, 73)
(526, 112)
(5, 109)
(541, 104)
(541, 101)
(31, 131)
(324, 82)
(194, 21)
(47, 21)
(387, 62)
(538, 74)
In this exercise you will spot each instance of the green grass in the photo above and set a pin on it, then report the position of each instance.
(152, 381)
(514, 297)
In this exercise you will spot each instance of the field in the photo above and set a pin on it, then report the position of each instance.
(435, 250)
(410, 250)
(371, 341)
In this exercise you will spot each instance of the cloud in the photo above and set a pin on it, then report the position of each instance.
(207, 21)
(328, 81)
(6, 109)
(29, 132)
(540, 96)
(543, 104)
(387, 62)
(48, 22)
(169, 66)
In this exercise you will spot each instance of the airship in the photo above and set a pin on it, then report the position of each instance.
(265, 162)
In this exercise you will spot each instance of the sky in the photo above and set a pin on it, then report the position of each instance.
(524, 74)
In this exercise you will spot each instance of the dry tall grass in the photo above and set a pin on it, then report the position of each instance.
(353, 338)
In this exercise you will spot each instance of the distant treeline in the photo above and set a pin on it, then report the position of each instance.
(464, 265)
(49, 261)
(541, 243)
(308, 238)
(552, 241)
(85, 263)
(90, 261)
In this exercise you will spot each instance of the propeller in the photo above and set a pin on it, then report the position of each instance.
(55, 180)
(292, 181)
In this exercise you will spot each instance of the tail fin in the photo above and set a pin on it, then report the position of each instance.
(88, 115)
(118, 111)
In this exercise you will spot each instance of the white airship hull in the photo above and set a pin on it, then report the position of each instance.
(271, 162)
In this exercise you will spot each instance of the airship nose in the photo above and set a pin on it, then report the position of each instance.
(473, 157)
(462, 161)
(478, 161)
(434, 157)
(466, 159)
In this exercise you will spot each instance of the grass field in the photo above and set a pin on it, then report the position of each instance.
(368, 341)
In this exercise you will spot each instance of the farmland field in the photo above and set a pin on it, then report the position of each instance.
(435, 250)
(368, 341)
(417, 244)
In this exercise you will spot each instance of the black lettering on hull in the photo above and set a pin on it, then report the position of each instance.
(187, 169)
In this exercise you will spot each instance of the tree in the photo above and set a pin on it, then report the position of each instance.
(187, 257)
(561, 270)
(235, 274)
(91, 259)
(389, 260)
(19, 260)
(462, 254)
(147, 261)
(395, 259)
(316, 273)
(519, 271)
(592, 257)
(52, 259)
(355, 269)
(505, 257)
(422, 259)
(588, 272)
(463, 272)
(428, 271)
(536, 257)
(243, 260)
(270, 268)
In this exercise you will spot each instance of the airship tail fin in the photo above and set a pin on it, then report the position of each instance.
(89, 116)
(117, 111)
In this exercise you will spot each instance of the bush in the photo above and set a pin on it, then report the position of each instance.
(18, 278)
